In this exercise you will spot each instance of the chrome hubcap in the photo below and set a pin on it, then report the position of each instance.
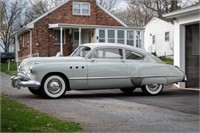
(153, 87)
(54, 86)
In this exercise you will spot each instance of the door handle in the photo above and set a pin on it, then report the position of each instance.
(93, 60)
(123, 60)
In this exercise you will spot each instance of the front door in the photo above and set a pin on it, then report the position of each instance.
(107, 69)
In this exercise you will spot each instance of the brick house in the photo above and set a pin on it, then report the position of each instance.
(75, 22)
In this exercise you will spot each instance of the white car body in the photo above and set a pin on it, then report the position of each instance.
(97, 66)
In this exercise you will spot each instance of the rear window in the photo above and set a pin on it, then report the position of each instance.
(156, 59)
(131, 55)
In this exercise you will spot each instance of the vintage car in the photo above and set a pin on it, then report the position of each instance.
(97, 66)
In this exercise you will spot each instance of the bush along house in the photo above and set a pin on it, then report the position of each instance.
(72, 23)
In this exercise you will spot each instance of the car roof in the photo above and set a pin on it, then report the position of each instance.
(99, 45)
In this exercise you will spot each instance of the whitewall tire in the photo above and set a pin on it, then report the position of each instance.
(152, 89)
(54, 86)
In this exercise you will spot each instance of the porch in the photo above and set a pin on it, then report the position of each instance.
(81, 34)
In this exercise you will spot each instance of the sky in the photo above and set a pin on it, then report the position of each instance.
(121, 4)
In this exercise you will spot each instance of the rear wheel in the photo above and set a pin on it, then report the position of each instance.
(127, 90)
(54, 86)
(35, 91)
(152, 89)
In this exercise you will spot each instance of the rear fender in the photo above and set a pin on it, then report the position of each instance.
(150, 73)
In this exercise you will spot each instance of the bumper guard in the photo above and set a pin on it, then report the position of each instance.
(23, 80)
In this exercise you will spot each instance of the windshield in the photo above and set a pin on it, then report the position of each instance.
(82, 51)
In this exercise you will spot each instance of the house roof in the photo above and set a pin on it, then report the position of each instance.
(183, 12)
(155, 18)
(31, 24)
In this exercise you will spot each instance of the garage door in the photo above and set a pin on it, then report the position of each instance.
(192, 56)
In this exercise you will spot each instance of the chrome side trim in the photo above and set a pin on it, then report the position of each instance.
(93, 78)
(155, 76)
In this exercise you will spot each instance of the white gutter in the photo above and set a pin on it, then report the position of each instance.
(58, 25)
(183, 11)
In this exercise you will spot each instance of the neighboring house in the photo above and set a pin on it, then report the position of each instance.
(186, 43)
(159, 38)
(71, 24)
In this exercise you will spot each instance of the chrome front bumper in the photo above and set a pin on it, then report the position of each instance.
(23, 80)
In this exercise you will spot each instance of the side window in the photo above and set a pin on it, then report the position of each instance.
(107, 53)
(130, 55)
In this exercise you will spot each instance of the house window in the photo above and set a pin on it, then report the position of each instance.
(111, 36)
(130, 38)
(166, 36)
(120, 36)
(102, 35)
(81, 8)
(153, 39)
(57, 36)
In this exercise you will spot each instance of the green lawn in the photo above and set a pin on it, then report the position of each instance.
(16, 117)
(13, 68)
(167, 60)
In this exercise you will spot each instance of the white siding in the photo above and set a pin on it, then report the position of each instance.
(158, 28)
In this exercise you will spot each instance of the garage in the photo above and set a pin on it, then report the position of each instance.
(186, 43)
(192, 55)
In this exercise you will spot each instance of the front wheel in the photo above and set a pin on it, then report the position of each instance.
(152, 89)
(54, 86)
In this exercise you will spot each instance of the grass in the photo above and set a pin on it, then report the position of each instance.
(16, 117)
(13, 68)
(167, 60)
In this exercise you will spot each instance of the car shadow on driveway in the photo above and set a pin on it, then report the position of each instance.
(175, 99)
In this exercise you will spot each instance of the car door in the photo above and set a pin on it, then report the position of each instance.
(107, 69)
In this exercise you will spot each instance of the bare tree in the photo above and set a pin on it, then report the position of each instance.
(136, 14)
(1, 13)
(108, 4)
(140, 12)
(37, 8)
(11, 10)
(160, 7)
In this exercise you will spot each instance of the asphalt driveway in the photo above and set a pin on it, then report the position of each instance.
(112, 111)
